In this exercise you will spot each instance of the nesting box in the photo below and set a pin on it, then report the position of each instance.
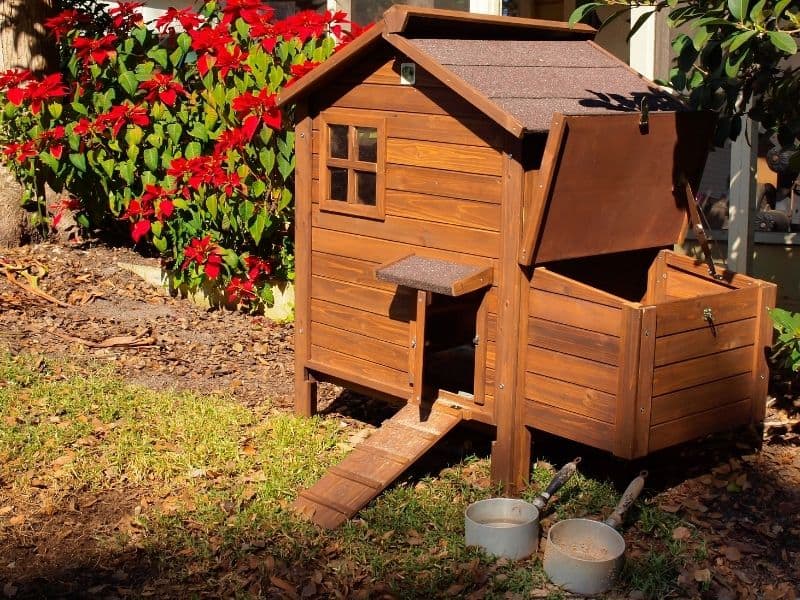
(485, 214)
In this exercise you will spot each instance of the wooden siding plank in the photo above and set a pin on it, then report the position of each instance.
(699, 398)
(685, 315)
(644, 391)
(548, 281)
(444, 156)
(569, 425)
(568, 339)
(483, 188)
(387, 73)
(700, 269)
(358, 345)
(696, 371)
(701, 342)
(359, 321)
(627, 380)
(424, 234)
(575, 312)
(439, 209)
(432, 101)
(685, 285)
(688, 428)
(398, 306)
(572, 369)
(567, 396)
(342, 268)
(346, 366)
(762, 344)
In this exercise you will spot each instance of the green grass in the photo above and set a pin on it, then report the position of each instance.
(218, 479)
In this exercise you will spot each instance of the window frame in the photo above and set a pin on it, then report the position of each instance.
(352, 121)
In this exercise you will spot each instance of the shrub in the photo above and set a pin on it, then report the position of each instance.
(173, 130)
(787, 346)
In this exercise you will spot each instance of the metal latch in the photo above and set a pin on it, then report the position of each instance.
(708, 315)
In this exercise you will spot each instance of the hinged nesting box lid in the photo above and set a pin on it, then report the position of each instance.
(614, 182)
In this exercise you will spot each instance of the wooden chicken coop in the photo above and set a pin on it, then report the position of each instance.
(486, 211)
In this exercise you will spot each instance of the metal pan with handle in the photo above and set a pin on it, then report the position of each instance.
(509, 527)
(584, 556)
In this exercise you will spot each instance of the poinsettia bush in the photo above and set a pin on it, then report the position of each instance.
(173, 129)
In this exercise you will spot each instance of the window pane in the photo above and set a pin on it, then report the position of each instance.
(367, 144)
(338, 136)
(365, 188)
(338, 179)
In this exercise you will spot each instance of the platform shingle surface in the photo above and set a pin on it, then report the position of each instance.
(532, 80)
(429, 274)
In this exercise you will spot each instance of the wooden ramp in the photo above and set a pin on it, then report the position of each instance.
(373, 465)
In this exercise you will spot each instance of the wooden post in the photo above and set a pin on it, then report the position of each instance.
(416, 346)
(766, 301)
(511, 450)
(741, 198)
(305, 386)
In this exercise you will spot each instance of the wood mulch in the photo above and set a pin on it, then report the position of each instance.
(743, 503)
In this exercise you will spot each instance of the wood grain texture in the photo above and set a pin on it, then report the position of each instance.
(398, 306)
(359, 345)
(570, 397)
(686, 315)
(656, 280)
(569, 425)
(681, 284)
(627, 383)
(367, 373)
(575, 312)
(483, 188)
(416, 346)
(463, 240)
(444, 156)
(644, 384)
(701, 342)
(699, 269)
(361, 272)
(700, 398)
(572, 369)
(359, 321)
(696, 425)
(439, 209)
(548, 281)
(762, 345)
(568, 339)
(696, 371)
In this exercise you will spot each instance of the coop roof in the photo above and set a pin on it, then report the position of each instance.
(519, 72)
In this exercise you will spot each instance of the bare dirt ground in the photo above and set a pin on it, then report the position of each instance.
(744, 501)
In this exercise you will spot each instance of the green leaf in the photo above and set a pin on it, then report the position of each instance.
(739, 39)
(160, 243)
(184, 41)
(177, 56)
(243, 29)
(49, 160)
(134, 135)
(160, 56)
(139, 34)
(155, 140)
(267, 159)
(783, 41)
(246, 210)
(55, 109)
(258, 188)
(127, 171)
(144, 71)
(211, 205)
(193, 150)
(174, 131)
(129, 82)
(199, 131)
(286, 198)
(757, 12)
(151, 159)
(78, 160)
(156, 227)
(108, 166)
(780, 6)
(738, 8)
(700, 38)
(257, 227)
(80, 108)
(285, 167)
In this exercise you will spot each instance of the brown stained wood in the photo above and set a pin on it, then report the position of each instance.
(684, 285)
(548, 281)
(439, 209)
(491, 355)
(444, 156)
(367, 373)
(575, 312)
(352, 270)
(656, 280)
(481, 334)
(700, 398)
(386, 72)
(435, 275)
(696, 371)
(398, 306)
(355, 246)
(414, 233)
(568, 339)
(699, 268)
(579, 371)
(373, 465)
(491, 326)
(305, 389)
(570, 397)
(361, 346)
(569, 425)
(539, 196)
(644, 385)
(483, 188)
(416, 346)
(701, 342)
(630, 174)
(461, 87)
(685, 315)
(762, 345)
(710, 421)
(359, 321)
(627, 379)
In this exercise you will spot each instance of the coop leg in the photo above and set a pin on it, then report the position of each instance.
(522, 466)
(305, 403)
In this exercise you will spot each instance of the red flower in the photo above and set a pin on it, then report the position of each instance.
(14, 78)
(188, 19)
(164, 87)
(49, 140)
(259, 108)
(204, 253)
(195, 171)
(96, 51)
(300, 70)
(21, 152)
(65, 22)
(121, 115)
(157, 201)
(230, 139)
(250, 11)
(125, 16)
(139, 229)
(256, 267)
(230, 60)
(211, 38)
(85, 127)
(304, 25)
(64, 205)
(240, 290)
(37, 92)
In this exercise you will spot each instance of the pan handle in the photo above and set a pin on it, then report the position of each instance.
(629, 496)
(560, 478)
